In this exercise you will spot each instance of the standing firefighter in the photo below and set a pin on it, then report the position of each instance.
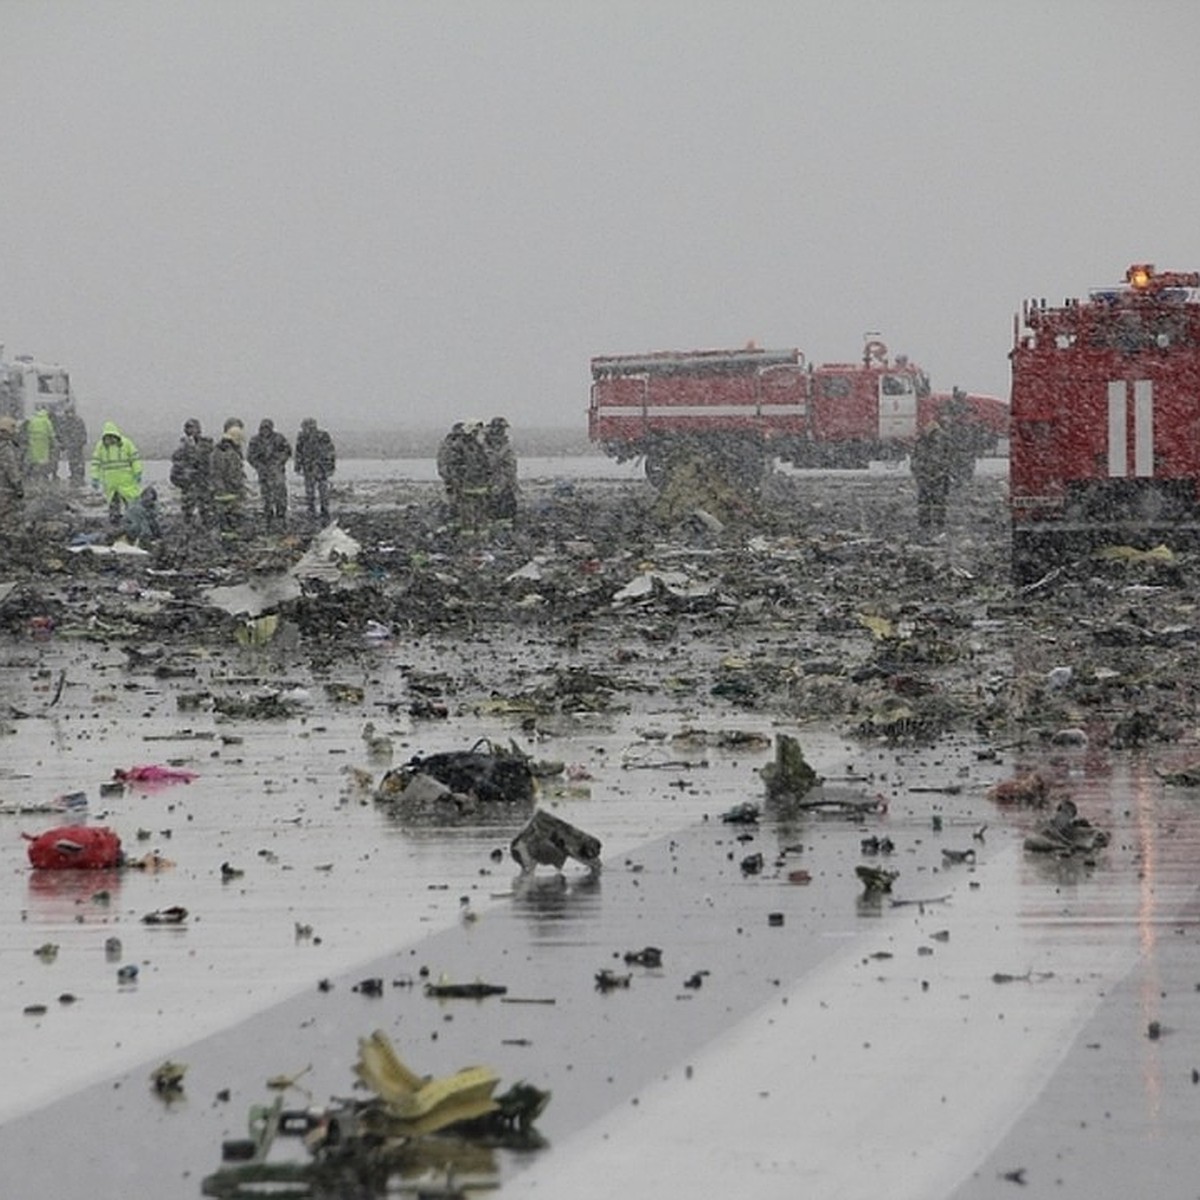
(41, 444)
(502, 470)
(315, 460)
(933, 469)
(268, 454)
(229, 482)
(72, 437)
(116, 469)
(191, 473)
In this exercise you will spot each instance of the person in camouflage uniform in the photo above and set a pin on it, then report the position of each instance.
(72, 437)
(316, 460)
(191, 473)
(268, 454)
(12, 483)
(229, 482)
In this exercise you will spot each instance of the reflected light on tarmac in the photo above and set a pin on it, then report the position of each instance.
(1151, 990)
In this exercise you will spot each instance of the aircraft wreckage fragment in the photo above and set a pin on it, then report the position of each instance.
(549, 841)
(412, 1124)
(459, 785)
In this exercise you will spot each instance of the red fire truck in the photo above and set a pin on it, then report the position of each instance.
(1105, 443)
(742, 408)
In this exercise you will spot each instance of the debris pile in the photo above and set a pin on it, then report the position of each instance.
(411, 1125)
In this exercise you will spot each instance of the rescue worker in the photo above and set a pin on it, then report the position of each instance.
(228, 475)
(191, 473)
(449, 465)
(316, 460)
(268, 454)
(72, 437)
(116, 469)
(964, 435)
(463, 466)
(932, 468)
(12, 484)
(502, 470)
(140, 524)
(41, 448)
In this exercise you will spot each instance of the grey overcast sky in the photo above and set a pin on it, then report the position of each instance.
(403, 213)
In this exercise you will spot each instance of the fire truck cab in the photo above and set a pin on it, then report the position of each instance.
(1105, 419)
(26, 384)
(861, 411)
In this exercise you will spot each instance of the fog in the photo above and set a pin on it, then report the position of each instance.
(395, 214)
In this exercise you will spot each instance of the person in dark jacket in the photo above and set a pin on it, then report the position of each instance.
(268, 454)
(191, 473)
(464, 468)
(933, 469)
(140, 522)
(229, 482)
(72, 437)
(316, 460)
(502, 470)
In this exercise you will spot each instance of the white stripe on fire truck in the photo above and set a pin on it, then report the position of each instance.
(1117, 450)
(629, 411)
(1143, 428)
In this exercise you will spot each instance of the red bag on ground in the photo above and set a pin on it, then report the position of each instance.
(75, 847)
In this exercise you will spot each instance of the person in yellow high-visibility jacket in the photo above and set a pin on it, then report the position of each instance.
(40, 448)
(117, 469)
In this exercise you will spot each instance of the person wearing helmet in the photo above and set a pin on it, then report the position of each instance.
(12, 485)
(316, 460)
(116, 469)
(268, 454)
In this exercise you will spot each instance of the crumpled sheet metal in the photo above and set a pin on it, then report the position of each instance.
(422, 1105)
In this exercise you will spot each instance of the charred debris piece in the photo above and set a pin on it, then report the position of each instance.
(445, 990)
(789, 777)
(459, 785)
(741, 814)
(793, 786)
(411, 1125)
(876, 879)
(549, 841)
(1067, 834)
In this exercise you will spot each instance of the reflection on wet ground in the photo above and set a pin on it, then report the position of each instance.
(1006, 999)
(732, 942)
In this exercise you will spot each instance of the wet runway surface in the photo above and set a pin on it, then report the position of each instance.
(1009, 1024)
